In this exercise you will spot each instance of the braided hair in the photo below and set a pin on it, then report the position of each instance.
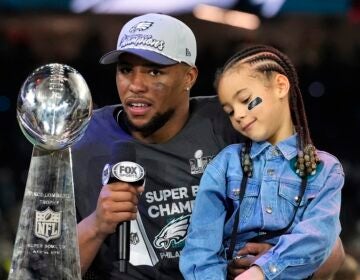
(267, 60)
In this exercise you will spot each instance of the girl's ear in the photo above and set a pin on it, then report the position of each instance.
(282, 85)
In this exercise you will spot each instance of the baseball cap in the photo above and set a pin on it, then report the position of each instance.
(159, 38)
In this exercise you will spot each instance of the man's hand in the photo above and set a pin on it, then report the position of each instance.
(245, 257)
(117, 202)
(332, 264)
(253, 273)
(326, 270)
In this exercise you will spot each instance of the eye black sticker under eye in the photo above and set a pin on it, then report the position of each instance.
(254, 103)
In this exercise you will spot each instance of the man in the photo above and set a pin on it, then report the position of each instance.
(174, 137)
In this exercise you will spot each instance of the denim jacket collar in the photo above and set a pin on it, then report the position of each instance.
(287, 147)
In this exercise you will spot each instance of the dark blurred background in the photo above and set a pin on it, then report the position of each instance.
(322, 37)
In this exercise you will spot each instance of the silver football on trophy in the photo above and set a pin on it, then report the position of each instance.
(54, 106)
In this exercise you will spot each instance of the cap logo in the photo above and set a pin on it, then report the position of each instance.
(141, 26)
(141, 40)
(188, 53)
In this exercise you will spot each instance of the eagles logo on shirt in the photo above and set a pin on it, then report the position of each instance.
(173, 233)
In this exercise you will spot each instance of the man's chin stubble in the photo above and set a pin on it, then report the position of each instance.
(157, 122)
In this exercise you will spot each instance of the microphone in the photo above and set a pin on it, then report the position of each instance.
(123, 168)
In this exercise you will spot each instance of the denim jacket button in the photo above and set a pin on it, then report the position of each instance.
(236, 192)
(270, 172)
(268, 210)
(273, 268)
(275, 152)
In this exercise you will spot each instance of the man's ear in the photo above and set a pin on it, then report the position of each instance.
(191, 76)
(282, 85)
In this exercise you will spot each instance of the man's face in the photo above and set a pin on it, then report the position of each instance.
(152, 95)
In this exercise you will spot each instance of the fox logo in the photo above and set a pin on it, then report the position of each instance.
(173, 233)
(141, 26)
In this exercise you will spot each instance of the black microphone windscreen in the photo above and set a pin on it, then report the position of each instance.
(123, 151)
(122, 165)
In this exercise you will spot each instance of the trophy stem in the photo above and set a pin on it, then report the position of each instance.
(46, 240)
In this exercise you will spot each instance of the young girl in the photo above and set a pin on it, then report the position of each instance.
(275, 188)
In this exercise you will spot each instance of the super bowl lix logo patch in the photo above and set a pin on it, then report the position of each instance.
(199, 162)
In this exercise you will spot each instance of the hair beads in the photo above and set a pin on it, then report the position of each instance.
(307, 161)
(246, 161)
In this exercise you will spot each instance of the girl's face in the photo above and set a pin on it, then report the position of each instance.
(270, 119)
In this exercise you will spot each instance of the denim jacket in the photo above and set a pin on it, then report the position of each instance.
(268, 204)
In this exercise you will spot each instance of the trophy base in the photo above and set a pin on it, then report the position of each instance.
(46, 240)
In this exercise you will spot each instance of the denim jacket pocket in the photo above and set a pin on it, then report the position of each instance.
(249, 200)
(289, 192)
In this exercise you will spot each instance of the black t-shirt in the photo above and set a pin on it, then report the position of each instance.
(173, 171)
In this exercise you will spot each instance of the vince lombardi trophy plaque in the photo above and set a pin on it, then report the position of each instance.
(53, 110)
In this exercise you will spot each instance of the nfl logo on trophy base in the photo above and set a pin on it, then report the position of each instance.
(47, 224)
